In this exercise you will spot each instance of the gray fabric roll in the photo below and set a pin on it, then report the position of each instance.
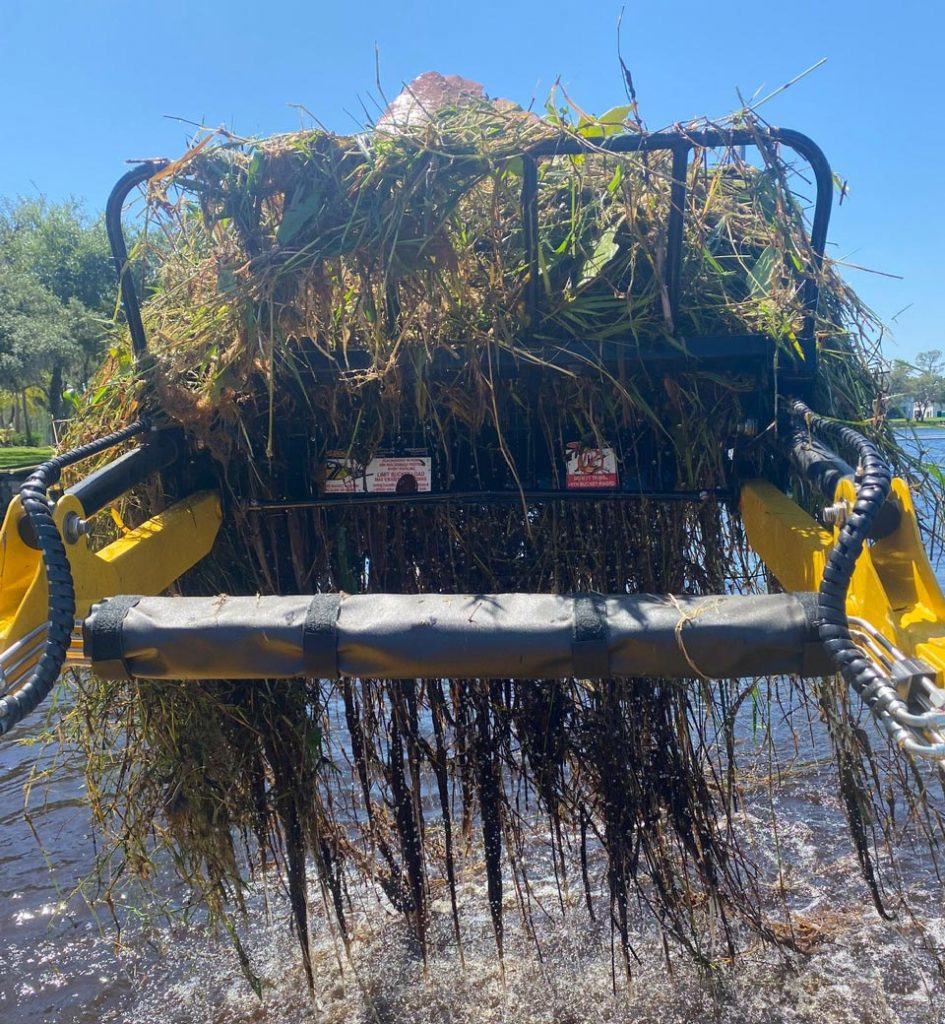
(523, 636)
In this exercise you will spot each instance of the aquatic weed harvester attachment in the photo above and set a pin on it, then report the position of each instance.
(460, 429)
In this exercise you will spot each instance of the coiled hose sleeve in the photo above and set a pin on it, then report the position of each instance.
(61, 615)
(860, 673)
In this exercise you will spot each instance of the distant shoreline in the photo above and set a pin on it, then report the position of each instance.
(918, 424)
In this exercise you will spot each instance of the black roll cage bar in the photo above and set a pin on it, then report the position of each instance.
(681, 143)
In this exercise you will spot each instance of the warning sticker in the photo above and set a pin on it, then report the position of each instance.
(587, 468)
(384, 474)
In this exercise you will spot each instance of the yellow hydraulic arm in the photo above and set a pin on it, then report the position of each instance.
(145, 560)
(893, 590)
(881, 612)
(50, 577)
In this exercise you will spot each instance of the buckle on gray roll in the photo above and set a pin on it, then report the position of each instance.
(320, 637)
(590, 638)
(101, 636)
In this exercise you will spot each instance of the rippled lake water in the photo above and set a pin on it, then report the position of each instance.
(62, 961)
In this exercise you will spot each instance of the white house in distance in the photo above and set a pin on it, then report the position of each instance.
(927, 410)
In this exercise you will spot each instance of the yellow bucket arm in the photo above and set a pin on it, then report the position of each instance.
(145, 560)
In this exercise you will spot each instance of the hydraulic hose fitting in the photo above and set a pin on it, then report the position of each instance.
(874, 479)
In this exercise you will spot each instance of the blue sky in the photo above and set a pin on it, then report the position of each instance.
(86, 84)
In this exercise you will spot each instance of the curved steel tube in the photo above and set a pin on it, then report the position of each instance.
(680, 144)
(116, 239)
(716, 139)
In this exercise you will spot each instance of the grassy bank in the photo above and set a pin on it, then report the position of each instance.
(938, 422)
(17, 456)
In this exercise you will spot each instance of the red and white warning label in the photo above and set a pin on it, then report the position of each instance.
(384, 474)
(587, 468)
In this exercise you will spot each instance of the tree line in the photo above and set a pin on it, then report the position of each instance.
(919, 385)
(57, 308)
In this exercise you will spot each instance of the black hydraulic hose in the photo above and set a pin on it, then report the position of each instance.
(61, 614)
(874, 479)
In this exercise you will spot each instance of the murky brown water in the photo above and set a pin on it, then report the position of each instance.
(59, 962)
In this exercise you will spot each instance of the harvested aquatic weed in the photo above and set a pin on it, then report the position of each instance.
(322, 304)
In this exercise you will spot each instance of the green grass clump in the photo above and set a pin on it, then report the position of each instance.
(15, 457)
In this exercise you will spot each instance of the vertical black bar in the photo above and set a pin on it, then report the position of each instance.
(674, 230)
(393, 310)
(530, 230)
(116, 239)
(823, 175)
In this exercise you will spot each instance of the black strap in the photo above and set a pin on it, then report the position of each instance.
(590, 653)
(101, 635)
(320, 637)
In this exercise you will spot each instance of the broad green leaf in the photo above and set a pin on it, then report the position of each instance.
(616, 115)
(296, 217)
(515, 167)
(603, 253)
(760, 274)
(934, 472)
(255, 166)
(612, 122)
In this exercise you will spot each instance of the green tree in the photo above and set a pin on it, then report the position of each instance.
(922, 382)
(931, 363)
(34, 335)
(56, 248)
(928, 382)
(900, 385)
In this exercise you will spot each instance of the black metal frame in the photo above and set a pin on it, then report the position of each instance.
(738, 354)
(161, 449)
(116, 239)
(507, 497)
(680, 143)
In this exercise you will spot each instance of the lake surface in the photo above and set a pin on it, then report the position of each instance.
(62, 961)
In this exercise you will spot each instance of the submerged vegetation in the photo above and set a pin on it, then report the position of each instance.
(322, 300)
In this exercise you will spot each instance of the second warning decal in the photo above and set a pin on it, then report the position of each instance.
(587, 468)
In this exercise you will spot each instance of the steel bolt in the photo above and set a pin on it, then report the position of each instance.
(835, 515)
(74, 527)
